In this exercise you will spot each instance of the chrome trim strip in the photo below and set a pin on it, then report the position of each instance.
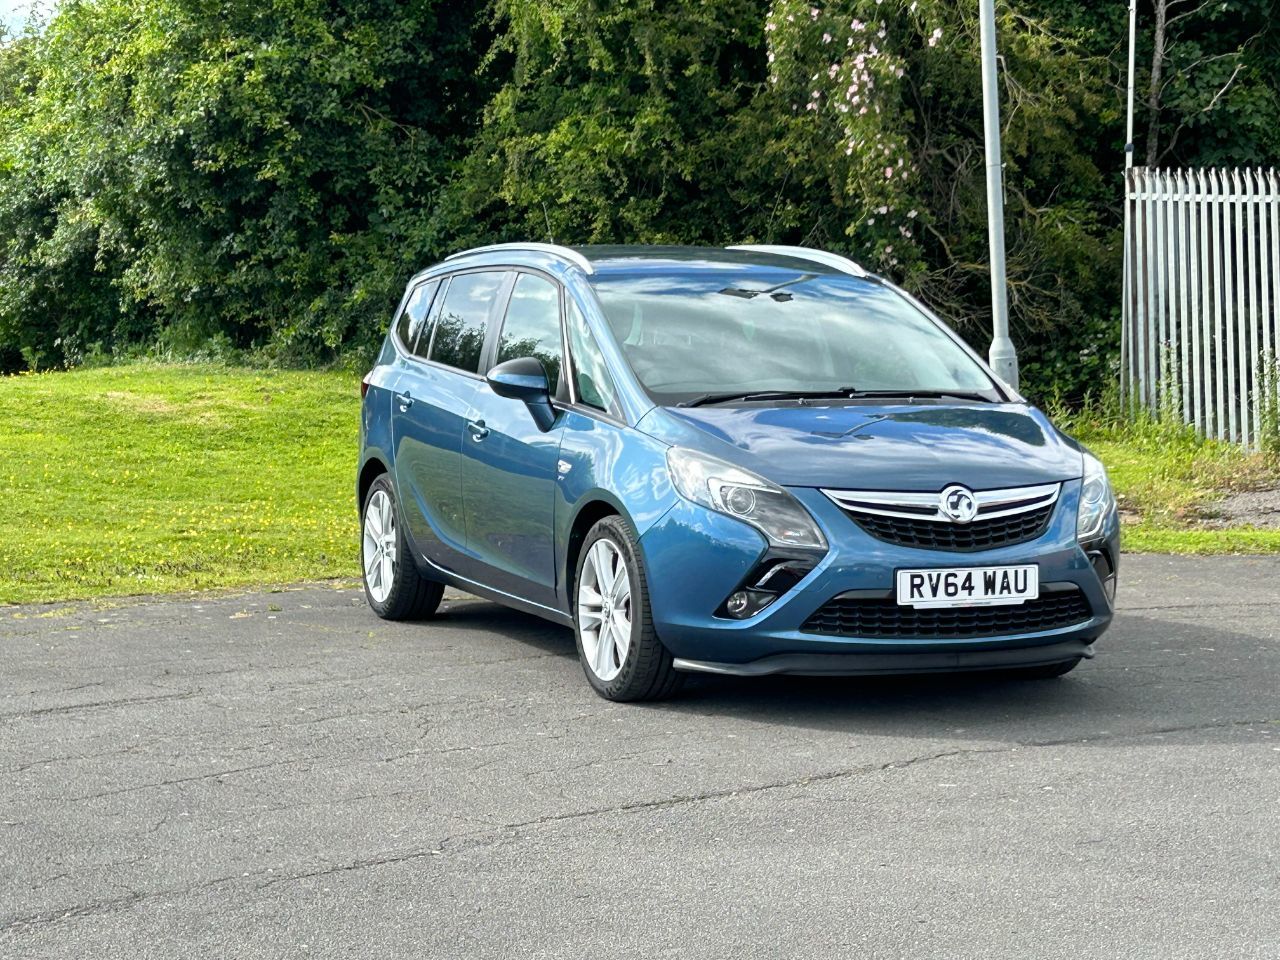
(992, 504)
(553, 249)
(843, 264)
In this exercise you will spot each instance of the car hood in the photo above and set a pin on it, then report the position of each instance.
(914, 447)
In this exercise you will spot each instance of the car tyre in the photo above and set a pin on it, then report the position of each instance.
(394, 587)
(621, 653)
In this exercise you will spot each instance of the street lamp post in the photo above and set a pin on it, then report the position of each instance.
(1003, 356)
(1126, 348)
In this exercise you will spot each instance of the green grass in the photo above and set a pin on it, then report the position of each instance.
(1167, 479)
(148, 479)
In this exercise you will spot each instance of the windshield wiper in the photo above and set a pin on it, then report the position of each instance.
(768, 395)
(843, 393)
(922, 394)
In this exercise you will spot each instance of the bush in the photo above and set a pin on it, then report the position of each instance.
(186, 171)
(204, 177)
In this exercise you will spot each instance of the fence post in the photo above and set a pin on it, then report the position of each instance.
(1242, 316)
(1126, 291)
(1270, 214)
(1203, 283)
(1271, 298)
(1149, 283)
(1254, 393)
(1186, 339)
(1139, 287)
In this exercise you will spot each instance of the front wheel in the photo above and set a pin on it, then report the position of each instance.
(392, 584)
(620, 651)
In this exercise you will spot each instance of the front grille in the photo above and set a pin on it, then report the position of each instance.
(847, 616)
(928, 521)
(940, 535)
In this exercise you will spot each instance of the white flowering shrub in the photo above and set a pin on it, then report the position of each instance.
(841, 70)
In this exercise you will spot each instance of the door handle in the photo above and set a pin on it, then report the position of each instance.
(405, 402)
(478, 430)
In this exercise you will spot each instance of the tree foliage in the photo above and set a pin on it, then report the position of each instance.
(210, 171)
(214, 175)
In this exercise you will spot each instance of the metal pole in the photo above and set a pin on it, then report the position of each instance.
(1003, 357)
(1128, 126)
(1128, 339)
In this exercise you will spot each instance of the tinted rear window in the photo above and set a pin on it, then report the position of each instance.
(410, 324)
(459, 332)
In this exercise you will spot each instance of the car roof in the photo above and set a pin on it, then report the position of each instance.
(604, 263)
(615, 260)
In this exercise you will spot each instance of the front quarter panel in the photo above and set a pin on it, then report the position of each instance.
(604, 461)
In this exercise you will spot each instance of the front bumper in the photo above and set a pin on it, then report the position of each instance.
(695, 557)
(872, 664)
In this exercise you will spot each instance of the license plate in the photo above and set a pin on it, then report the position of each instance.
(968, 586)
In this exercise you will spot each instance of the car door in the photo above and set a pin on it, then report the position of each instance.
(430, 407)
(509, 464)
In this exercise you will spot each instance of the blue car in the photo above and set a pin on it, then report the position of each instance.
(748, 460)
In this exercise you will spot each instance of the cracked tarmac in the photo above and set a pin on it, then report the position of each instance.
(283, 775)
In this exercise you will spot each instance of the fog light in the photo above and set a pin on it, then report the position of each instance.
(773, 577)
(737, 604)
(746, 603)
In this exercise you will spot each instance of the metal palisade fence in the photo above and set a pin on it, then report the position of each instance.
(1202, 285)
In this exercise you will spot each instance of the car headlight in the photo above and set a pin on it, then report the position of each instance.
(1096, 499)
(730, 490)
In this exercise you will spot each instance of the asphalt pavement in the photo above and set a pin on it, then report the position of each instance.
(283, 775)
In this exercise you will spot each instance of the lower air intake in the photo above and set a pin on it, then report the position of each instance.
(883, 618)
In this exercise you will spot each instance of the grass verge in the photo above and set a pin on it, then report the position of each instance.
(1167, 481)
(148, 479)
(151, 479)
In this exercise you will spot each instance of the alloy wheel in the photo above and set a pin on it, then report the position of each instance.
(604, 610)
(379, 546)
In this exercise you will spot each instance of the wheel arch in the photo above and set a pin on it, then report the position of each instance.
(372, 469)
(590, 512)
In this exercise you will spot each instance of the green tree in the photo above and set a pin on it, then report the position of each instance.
(885, 100)
(615, 122)
(200, 173)
(854, 125)
(55, 291)
(1211, 96)
(257, 172)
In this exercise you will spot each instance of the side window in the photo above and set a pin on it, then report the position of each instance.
(409, 326)
(532, 326)
(460, 326)
(423, 346)
(595, 386)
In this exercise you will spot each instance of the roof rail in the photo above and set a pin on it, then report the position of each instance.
(834, 260)
(553, 249)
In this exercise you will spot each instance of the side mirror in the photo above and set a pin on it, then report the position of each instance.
(525, 379)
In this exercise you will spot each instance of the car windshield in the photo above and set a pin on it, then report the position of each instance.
(698, 335)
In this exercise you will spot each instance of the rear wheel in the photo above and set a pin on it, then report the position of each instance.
(620, 651)
(392, 584)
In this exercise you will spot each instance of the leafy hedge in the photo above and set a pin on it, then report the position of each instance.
(205, 177)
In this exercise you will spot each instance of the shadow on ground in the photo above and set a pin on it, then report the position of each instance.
(1160, 676)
